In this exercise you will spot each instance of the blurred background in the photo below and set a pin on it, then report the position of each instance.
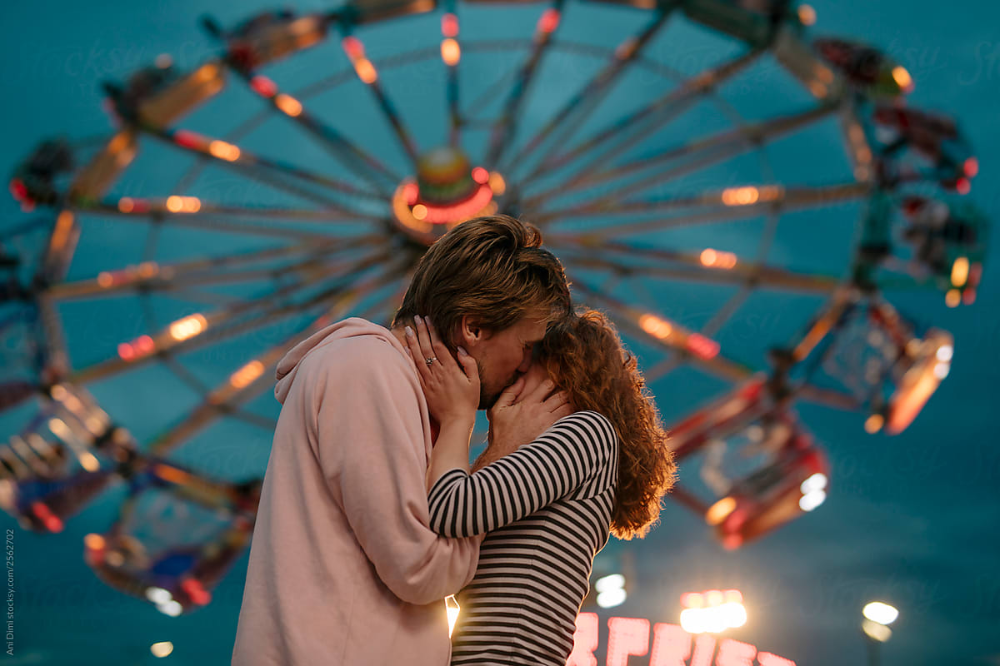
(903, 518)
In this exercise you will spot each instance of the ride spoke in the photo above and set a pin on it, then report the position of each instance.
(579, 108)
(268, 171)
(728, 204)
(345, 151)
(708, 266)
(172, 277)
(368, 75)
(695, 347)
(701, 152)
(198, 330)
(505, 128)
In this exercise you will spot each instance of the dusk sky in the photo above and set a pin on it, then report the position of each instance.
(910, 519)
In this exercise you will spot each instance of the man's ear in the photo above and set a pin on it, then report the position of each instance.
(470, 333)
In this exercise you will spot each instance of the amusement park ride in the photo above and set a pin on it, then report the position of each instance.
(345, 244)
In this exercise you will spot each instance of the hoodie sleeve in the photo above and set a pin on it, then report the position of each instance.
(372, 452)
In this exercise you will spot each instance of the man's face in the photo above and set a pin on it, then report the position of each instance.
(504, 355)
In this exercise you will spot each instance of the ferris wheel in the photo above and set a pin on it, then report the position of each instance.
(295, 178)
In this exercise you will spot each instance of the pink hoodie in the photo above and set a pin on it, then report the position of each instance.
(344, 569)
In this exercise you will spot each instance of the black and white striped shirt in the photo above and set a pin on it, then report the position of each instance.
(547, 510)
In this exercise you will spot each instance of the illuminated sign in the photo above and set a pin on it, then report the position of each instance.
(671, 646)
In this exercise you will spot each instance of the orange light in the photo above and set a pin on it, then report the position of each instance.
(60, 235)
(740, 196)
(224, 151)
(125, 205)
(420, 211)
(105, 279)
(247, 374)
(451, 53)
(714, 597)
(874, 423)
(902, 78)
(960, 271)
(497, 183)
(288, 104)
(807, 15)
(720, 510)
(953, 298)
(655, 326)
(174, 204)
(716, 259)
(188, 327)
(366, 71)
(449, 25)
(207, 72)
(94, 542)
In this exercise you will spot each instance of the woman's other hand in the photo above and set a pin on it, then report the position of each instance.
(524, 411)
(451, 387)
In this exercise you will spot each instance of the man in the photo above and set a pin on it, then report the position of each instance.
(344, 569)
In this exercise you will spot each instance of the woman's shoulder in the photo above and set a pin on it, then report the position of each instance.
(591, 421)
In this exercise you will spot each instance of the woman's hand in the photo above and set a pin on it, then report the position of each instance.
(451, 387)
(523, 412)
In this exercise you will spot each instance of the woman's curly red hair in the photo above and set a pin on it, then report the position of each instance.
(584, 356)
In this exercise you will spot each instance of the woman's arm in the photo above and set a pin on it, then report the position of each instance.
(576, 451)
(452, 394)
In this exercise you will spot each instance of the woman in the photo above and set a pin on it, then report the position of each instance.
(546, 508)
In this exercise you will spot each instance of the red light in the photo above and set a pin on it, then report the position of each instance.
(18, 190)
(145, 344)
(735, 653)
(702, 347)
(704, 646)
(584, 641)
(353, 47)
(188, 139)
(411, 192)
(549, 21)
(671, 645)
(480, 175)
(51, 521)
(626, 636)
(126, 352)
(971, 167)
(962, 186)
(196, 591)
(768, 659)
(449, 25)
(263, 86)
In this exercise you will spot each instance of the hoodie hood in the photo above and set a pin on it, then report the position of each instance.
(288, 366)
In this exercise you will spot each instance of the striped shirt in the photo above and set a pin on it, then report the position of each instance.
(547, 511)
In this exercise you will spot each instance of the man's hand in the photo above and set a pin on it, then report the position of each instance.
(523, 412)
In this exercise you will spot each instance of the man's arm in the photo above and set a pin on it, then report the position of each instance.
(371, 449)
